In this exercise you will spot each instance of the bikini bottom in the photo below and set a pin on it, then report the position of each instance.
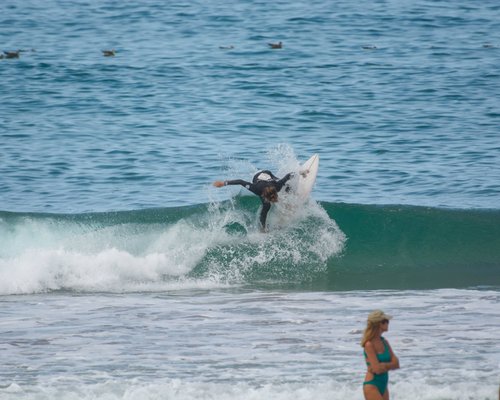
(380, 381)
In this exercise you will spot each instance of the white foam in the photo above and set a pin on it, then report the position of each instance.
(45, 255)
(186, 390)
(51, 256)
(244, 344)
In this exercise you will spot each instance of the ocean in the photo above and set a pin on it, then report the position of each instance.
(124, 274)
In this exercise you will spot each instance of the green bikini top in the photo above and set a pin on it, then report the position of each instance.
(384, 357)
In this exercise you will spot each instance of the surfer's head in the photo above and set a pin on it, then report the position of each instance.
(270, 194)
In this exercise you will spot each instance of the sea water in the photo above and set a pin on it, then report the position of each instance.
(125, 275)
(244, 344)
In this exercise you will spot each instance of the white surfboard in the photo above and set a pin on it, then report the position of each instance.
(290, 203)
(307, 177)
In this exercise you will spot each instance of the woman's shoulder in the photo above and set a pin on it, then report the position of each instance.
(368, 345)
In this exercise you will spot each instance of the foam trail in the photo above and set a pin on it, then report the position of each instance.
(99, 259)
(52, 253)
(218, 245)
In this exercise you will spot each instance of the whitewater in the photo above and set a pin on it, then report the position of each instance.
(244, 344)
(219, 244)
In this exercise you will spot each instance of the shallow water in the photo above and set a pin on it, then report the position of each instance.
(244, 343)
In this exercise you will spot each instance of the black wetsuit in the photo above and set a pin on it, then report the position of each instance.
(260, 181)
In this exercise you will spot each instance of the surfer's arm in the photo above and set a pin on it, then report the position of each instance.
(233, 182)
(283, 180)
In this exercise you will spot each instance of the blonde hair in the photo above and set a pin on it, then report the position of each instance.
(373, 322)
(371, 331)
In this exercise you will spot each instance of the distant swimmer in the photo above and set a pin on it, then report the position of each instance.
(226, 47)
(379, 357)
(370, 47)
(265, 185)
(278, 45)
(108, 53)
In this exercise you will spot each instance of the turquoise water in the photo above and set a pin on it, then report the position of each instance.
(369, 247)
(125, 275)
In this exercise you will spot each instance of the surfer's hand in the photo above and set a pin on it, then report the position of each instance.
(218, 184)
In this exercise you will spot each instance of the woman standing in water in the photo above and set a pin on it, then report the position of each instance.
(379, 357)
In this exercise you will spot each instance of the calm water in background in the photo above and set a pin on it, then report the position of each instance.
(399, 98)
(413, 121)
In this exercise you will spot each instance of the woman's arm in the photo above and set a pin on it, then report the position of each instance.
(375, 367)
(394, 363)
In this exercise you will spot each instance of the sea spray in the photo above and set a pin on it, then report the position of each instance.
(202, 246)
(292, 250)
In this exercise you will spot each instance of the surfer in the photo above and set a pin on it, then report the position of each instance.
(265, 185)
(379, 357)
